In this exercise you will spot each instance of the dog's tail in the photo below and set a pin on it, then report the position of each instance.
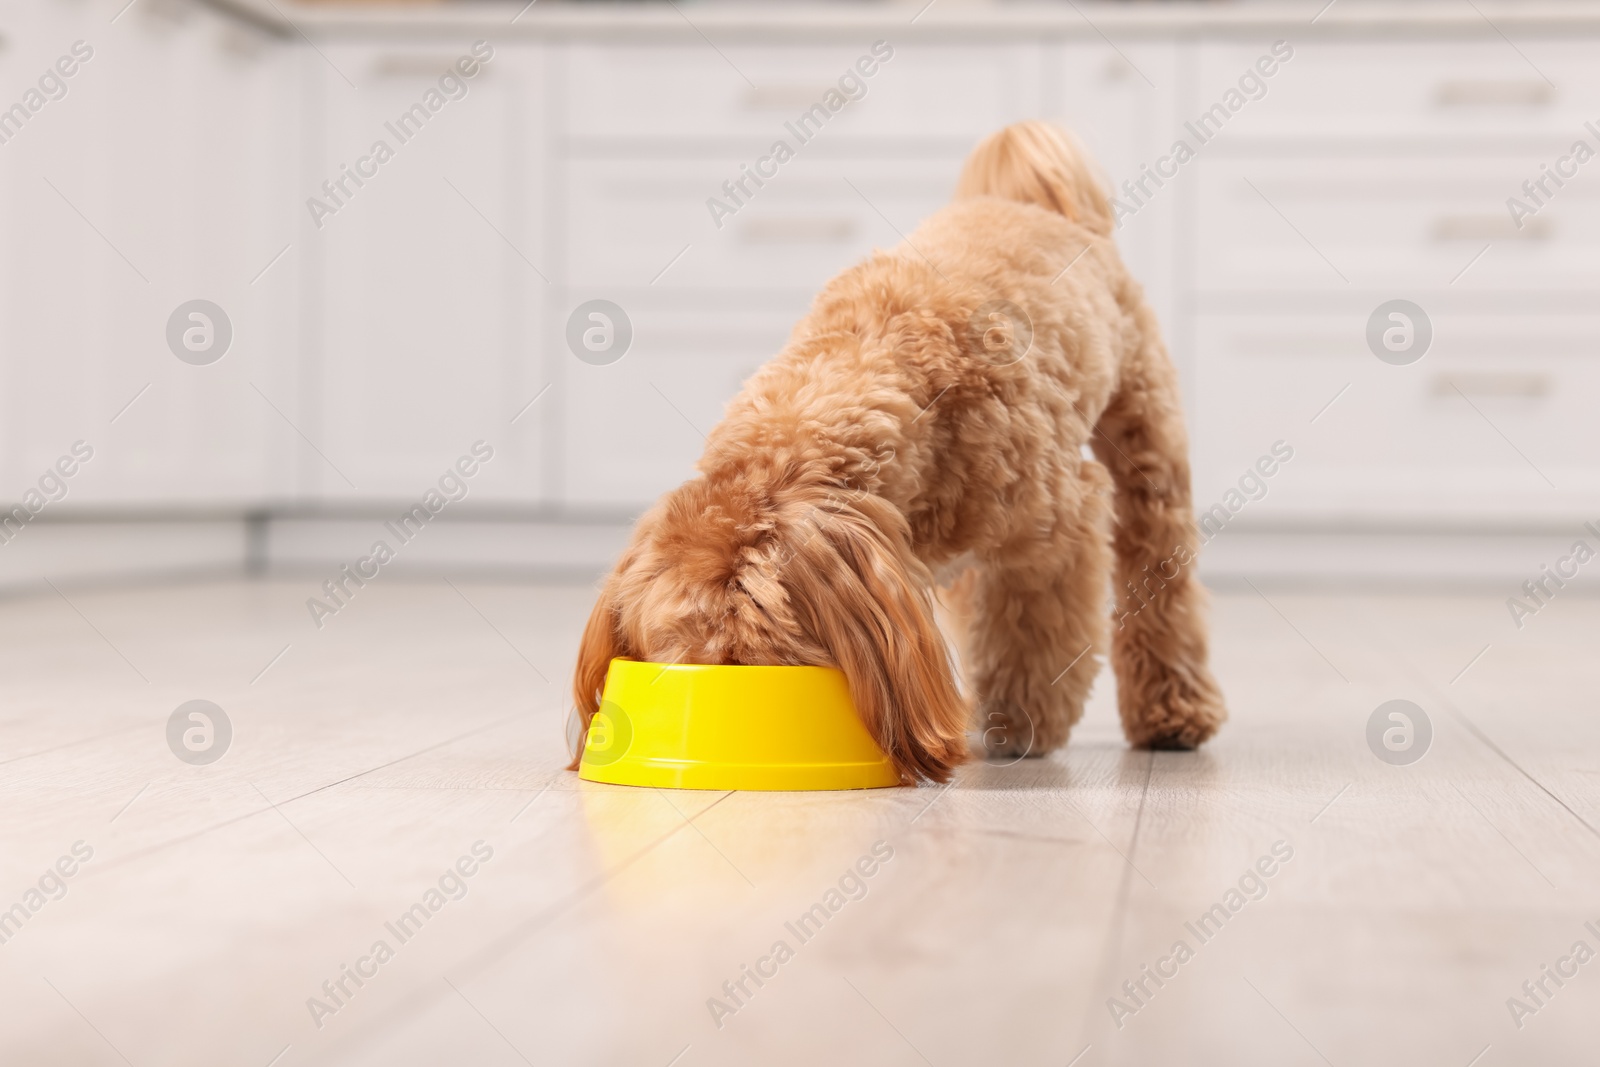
(1038, 163)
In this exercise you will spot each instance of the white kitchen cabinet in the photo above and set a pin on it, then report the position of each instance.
(1491, 424)
(1119, 104)
(430, 274)
(1398, 225)
(1373, 170)
(635, 427)
(652, 133)
(1414, 91)
(431, 308)
(155, 180)
(629, 218)
(672, 97)
(708, 305)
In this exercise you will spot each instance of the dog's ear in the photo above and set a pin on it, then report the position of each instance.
(853, 581)
(601, 643)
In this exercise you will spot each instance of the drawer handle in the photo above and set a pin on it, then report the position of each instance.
(401, 65)
(1497, 227)
(1494, 94)
(1521, 386)
(784, 97)
(778, 231)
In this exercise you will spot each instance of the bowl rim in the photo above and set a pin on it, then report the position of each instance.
(676, 666)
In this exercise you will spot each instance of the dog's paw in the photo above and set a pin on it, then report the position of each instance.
(1181, 718)
(1183, 738)
(1007, 731)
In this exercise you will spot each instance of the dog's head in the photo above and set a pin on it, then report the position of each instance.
(726, 572)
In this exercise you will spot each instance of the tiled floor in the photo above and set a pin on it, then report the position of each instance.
(423, 727)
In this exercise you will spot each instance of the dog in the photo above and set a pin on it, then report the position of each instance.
(930, 414)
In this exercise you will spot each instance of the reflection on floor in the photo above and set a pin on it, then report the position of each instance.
(389, 865)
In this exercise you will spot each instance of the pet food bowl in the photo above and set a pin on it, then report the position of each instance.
(687, 726)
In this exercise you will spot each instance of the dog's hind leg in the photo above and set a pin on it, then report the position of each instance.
(1165, 692)
(1035, 642)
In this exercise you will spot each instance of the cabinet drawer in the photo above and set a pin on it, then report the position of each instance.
(633, 428)
(1122, 120)
(176, 150)
(1498, 405)
(1396, 223)
(662, 93)
(1367, 89)
(426, 299)
(630, 218)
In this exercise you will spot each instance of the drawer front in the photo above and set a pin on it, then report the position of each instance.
(1497, 410)
(177, 153)
(1103, 97)
(1407, 224)
(629, 219)
(1370, 88)
(633, 428)
(671, 92)
(427, 303)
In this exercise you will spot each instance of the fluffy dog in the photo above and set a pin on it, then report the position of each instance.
(932, 410)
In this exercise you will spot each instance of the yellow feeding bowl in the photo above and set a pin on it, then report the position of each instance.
(685, 726)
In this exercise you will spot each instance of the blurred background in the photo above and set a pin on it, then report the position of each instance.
(280, 281)
(374, 338)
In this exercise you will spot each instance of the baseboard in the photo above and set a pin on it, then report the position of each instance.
(1396, 558)
(566, 548)
(112, 550)
(86, 550)
(90, 549)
